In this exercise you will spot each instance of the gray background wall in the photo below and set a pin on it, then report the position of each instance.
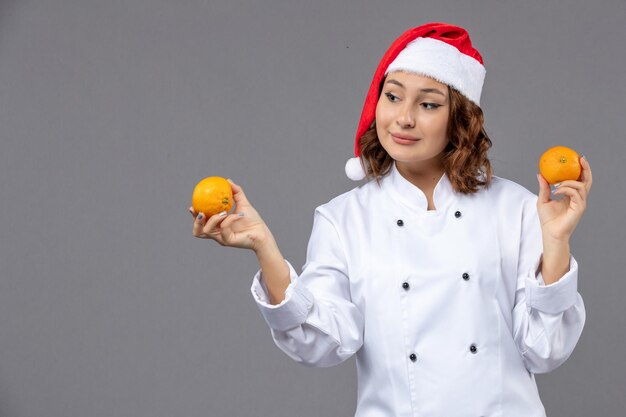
(111, 111)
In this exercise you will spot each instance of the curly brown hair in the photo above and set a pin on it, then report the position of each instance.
(464, 158)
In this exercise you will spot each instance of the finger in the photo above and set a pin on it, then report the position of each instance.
(586, 176)
(577, 185)
(228, 220)
(573, 194)
(213, 223)
(198, 224)
(544, 189)
(192, 211)
(238, 194)
(226, 224)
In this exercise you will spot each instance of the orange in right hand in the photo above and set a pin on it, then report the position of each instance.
(212, 195)
(559, 164)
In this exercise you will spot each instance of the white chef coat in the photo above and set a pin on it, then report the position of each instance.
(446, 309)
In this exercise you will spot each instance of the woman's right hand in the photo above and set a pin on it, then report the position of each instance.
(243, 228)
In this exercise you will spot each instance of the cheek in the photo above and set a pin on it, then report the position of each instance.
(378, 112)
(441, 126)
(382, 115)
(379, 121)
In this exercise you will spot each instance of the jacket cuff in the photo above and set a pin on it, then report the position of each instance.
(553, 298)
(292, 311)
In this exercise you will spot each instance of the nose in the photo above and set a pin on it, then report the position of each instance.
(406, 119)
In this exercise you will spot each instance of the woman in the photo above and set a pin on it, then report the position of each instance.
(451, 285)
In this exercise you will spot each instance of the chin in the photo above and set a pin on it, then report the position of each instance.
(402, 155)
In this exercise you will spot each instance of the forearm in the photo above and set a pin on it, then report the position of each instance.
(274, 270)
(555, 262)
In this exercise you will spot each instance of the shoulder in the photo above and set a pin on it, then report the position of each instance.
(505, 189)
(507, 198)
(354, 201)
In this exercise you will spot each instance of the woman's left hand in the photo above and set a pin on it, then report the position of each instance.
(560, 217)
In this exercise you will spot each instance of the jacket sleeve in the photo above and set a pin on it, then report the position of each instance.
(547, 319)
(316, 324)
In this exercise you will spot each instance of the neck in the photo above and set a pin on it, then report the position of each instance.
(424, 177)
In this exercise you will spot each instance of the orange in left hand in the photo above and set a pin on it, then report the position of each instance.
(559, 164)
(212, 195)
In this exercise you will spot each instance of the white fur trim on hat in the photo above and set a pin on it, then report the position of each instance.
(354, 170)
(443, 62)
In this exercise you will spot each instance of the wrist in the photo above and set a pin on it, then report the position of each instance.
(555, 240)
(267, 246)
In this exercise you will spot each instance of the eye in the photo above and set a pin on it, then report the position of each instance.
(390, 97)
(431, 104)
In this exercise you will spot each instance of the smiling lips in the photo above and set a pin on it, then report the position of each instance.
(403, 139)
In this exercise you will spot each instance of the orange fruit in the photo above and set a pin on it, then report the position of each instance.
(560, 163)
(212, 195)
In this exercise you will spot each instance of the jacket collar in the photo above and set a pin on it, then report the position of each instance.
(412, 196)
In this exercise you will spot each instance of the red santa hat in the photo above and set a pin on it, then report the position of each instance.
(439, 50)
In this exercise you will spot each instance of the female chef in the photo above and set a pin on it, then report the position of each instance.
(451, 285)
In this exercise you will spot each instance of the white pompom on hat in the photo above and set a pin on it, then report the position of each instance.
(354, 170)
(438, 50)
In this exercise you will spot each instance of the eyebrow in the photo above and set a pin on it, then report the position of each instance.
(424, 90)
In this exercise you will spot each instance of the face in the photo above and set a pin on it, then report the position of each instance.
(417, 108)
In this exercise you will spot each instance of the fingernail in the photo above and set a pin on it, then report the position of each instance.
(222, 214)
(240, 214)
(200, 216)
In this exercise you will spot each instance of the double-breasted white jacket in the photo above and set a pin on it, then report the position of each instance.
(446, 309)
